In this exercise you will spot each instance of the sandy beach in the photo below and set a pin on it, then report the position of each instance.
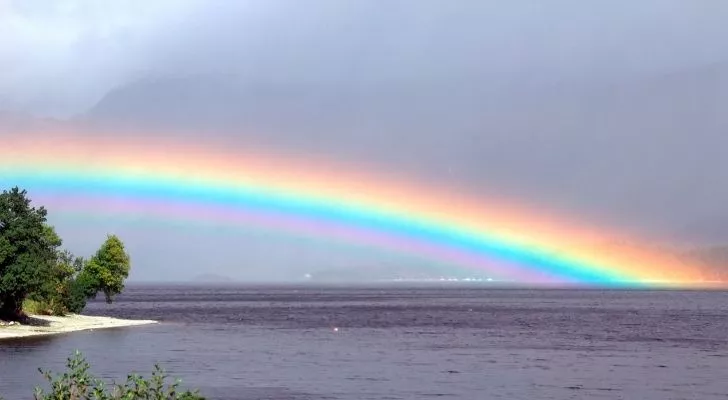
(45, 325)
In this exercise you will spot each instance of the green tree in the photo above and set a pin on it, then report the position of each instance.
(34, 267)
(108, 268)
(53, 296)
(72, 280)
(27, 251)
(80, 289)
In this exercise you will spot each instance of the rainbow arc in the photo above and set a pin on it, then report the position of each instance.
(181, 181)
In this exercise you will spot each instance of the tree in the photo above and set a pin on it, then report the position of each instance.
(81, 288)
(60, 293)
(33, 266)
(73, 280)
(108, 268)
(27, 251)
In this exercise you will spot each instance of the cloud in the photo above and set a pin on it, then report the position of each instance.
(62, 56)
(59, 56)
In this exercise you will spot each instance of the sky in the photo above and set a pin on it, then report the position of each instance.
(602, 110)
(63, 56)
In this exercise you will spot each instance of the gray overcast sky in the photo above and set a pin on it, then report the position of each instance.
(605, 109)
(60, 57)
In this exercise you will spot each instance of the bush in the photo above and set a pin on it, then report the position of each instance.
(80, 289)
(38, 307)
(78, 384)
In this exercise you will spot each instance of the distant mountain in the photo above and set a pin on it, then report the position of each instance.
(575, 147)
(212, 278)
(714, 254)
(215, 100)
(714, 258)
(225, 102)
(374, 273)
(707, 230)
(13, 122)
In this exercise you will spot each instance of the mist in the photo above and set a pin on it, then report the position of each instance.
(605, 111)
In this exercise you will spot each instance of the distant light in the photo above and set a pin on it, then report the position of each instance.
(336, 329)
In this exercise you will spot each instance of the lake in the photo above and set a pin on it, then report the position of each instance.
(298, 342)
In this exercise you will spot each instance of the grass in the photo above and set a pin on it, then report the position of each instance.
(36, 307)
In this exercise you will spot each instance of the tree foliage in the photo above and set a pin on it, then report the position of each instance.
(35, 268)
(53, 296)
(74, 280)
(27, 251)
(109, 267)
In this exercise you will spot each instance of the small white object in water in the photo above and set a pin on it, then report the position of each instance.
(336, 329)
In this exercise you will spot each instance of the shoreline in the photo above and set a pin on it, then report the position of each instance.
(43, 325)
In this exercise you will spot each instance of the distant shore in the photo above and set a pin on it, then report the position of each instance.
(41, 325)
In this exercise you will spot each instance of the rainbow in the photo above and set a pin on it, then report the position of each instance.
(184, 180)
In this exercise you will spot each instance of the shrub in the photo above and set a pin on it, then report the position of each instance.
(80, 289)
(37, 307)
(77, 383)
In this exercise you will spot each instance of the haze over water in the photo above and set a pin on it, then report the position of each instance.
(387, 342)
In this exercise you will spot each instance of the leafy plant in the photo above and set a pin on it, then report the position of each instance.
(77, 383)
(109, 267)
(26, 256)
(38, 276)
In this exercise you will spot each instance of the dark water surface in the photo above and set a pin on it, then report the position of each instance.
(403, 343)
